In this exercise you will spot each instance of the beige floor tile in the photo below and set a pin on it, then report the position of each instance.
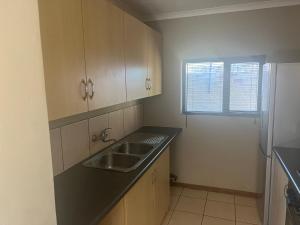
(175, 191)
(192, 193)
(216, 221)
(167, 218)
(193, 205)
(247, 214)
(174, 201)
(220, 197)
(245, 201)
(220, 210)
(184, 218)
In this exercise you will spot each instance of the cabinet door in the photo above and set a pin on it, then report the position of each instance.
(278, 202)
(104, 47)
(116, 216)
(139, 201)
(154, 62)
(136, 58)
(162, 186)
(63, 53)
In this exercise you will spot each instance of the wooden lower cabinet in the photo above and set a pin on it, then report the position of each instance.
(140, 201)
(279, 182)
(116, 216)
(162, 187)
(147, 202)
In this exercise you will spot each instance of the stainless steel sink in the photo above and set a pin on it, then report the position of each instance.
(113, 161)
(126, 155)
(133, 148)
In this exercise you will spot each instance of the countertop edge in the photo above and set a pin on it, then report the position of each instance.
(286, 169)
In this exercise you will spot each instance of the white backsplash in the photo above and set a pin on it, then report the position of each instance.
(116, 123)
(72, 143)
(75, 143)
(56, 150)
(96, 126)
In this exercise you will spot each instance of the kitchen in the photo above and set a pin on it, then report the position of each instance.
(119, 99)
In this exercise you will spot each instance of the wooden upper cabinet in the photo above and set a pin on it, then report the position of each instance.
(95, 55)
(104, 52)
(136, 58)
(63, 53)
(154, 62)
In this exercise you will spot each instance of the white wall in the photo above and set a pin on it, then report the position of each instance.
(26, 179)
(218, 151)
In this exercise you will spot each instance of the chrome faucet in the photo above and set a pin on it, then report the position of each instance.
(103, 136)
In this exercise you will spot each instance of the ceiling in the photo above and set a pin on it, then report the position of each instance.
(166, 6)
(163, 8)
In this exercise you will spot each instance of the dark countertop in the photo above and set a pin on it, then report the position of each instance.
(85, 195)
(289, 159)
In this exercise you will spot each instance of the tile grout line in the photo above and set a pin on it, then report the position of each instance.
(204, 208)
(228, 203)
(188, 212)
(241, 205)
(235, 205)
(215, 217)
(220, 218)
(172, 210)
(235, 209)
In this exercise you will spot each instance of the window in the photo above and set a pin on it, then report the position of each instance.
(225, 87)
(205, 86)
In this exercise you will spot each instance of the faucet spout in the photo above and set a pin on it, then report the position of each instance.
(103, 136)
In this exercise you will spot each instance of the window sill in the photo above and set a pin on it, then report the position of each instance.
(230, 114)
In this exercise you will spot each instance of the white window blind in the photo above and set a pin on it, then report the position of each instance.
(205, 86)
(222, 87)
(244, 83)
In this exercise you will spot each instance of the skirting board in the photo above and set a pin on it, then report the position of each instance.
(216, 189)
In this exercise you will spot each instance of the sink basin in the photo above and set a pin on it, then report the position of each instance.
(118, 162)
(133, 148)
(127, 155)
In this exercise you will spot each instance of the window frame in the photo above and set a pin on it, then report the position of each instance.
(226, 85)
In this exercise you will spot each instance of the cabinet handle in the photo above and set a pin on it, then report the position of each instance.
(150, 84)
(146, 83)
(91, 84)
(84, 84)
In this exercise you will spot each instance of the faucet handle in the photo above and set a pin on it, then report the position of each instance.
(102, 136)
(106, 129)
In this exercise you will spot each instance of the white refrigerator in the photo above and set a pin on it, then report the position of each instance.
(280, 126)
